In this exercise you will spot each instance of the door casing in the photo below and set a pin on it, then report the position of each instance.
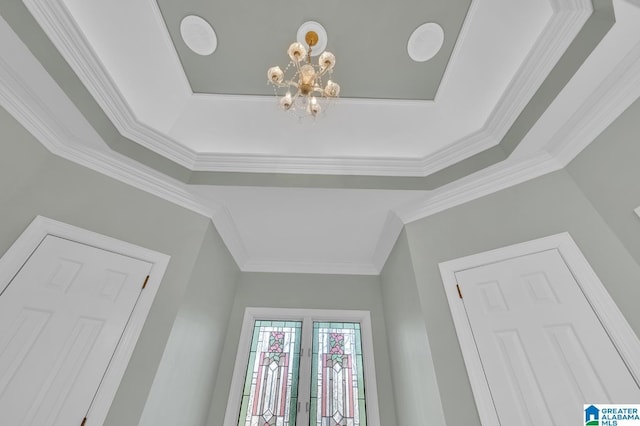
(18, 254)
(613, 321)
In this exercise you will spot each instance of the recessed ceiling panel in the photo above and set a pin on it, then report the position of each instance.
(369, 40)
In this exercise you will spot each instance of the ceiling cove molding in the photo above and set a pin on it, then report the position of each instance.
(49, 129)
(458, 151)
(495, 178)
(611, 98)
(55, 19)
(561, 30)
(57, 22)
(24, 105)
(452, 154)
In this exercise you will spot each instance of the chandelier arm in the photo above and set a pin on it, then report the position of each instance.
(306, 83)
(287, 83)
(323, 72)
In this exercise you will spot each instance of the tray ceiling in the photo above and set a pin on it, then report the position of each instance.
(372, 55)
(524, 87)
(123, 52)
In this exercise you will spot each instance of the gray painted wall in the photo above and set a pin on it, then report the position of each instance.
(183, 386)
(548, 205)
(311, 292)
(608, 173)
(415, 385)
(34, 182)
(596, 209)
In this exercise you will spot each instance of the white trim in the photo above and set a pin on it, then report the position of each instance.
(610, 99)
(494, 178)
(621, 333)
(637, 210)
(53, 133)
(306, 315)
(564, 25)
(561, 30)
(26, 244)
(56, 133)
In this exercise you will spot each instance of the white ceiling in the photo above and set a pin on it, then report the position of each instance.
(125, 58)
(301, 228)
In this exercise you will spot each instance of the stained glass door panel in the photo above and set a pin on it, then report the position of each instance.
(271, 383)
(337, 379)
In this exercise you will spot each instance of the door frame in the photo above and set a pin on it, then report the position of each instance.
(18, 254)
(616, 326)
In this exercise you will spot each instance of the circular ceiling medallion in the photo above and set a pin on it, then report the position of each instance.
(425, 42)
(319, 30)
(198, 35)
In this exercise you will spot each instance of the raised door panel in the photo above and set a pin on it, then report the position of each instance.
(543, 349)
(61, 318)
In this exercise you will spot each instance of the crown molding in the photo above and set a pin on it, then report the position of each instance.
(24, 105)
(611, 98)
(618, 90)
(50, 130)
(464, 148)
(57, 22)
(567, 21)
(495, 178)
(60, 26)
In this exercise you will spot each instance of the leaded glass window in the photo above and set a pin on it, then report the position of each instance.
(303, 370)
(271, 384)
(337, 379)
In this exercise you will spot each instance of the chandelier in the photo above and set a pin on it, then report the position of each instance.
(305, 94)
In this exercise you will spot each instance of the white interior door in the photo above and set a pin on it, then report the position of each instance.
(61, 318)
(543, 350)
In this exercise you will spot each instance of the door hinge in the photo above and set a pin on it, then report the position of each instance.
(459, 291)
(83, 421)
(144, 284)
